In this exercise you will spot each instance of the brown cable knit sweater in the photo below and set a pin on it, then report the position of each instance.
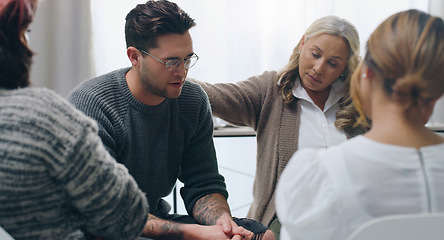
(256, 103)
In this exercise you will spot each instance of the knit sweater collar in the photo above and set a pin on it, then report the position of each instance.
(129, 97)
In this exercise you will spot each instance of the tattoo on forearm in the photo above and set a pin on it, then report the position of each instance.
(162, 229)
(209, 208)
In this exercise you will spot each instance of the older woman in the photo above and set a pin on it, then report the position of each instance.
(294, 108)
(397, 167)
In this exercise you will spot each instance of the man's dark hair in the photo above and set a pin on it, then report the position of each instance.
(148, 21)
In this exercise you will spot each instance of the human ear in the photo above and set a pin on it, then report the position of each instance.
(133, 55)
(301, 44)
(366, 72)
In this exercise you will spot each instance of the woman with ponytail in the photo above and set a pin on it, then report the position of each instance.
(397, 167)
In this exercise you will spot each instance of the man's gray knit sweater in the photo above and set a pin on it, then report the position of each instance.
(56, 176)
(158, 144)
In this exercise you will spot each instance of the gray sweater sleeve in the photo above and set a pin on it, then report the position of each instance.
(57, 176)
(199, 170)
(102, 190)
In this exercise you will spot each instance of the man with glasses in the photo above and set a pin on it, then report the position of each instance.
(160, 127)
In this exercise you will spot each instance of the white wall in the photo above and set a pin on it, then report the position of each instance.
(76, 40)
(61, 39)
(436, 7)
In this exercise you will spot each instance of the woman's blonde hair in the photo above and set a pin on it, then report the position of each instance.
(330, 25)
(406, 50)
(334, 26)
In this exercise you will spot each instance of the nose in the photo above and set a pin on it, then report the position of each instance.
(181, 70)
(318, 67)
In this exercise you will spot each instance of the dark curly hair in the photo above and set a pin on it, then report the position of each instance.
(148, 21)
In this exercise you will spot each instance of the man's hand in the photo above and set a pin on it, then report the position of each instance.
(231, 228)
(158, 228)
(198, 232)
(213, 209)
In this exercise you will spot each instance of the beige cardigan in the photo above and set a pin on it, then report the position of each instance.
(256, 103)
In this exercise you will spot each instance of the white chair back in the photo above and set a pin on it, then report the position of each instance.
(405, 227)
(5, 235)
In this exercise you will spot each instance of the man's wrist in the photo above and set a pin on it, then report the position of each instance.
(164, 229)
(189, 231)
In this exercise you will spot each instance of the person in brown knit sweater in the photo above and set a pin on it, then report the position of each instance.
(306, 104)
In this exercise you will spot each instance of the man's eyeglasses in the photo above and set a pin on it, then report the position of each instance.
(173, 64)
